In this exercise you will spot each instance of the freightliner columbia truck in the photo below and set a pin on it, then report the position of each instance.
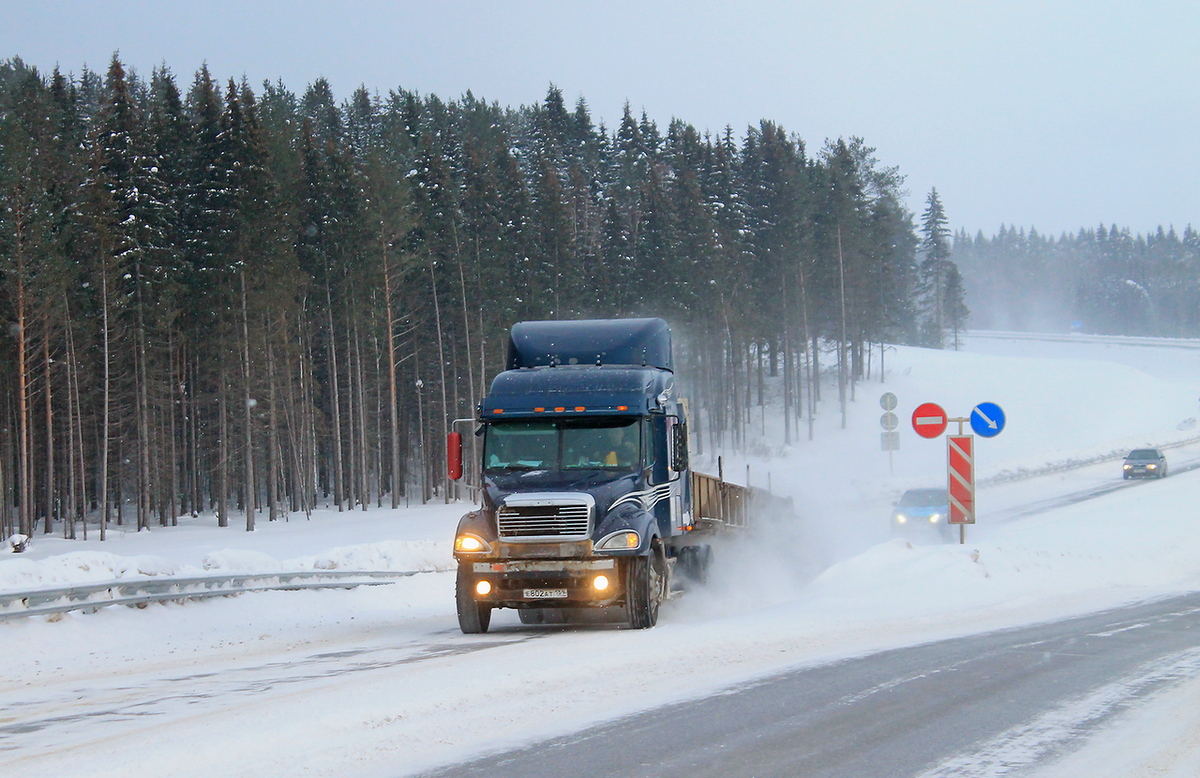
(588, 501)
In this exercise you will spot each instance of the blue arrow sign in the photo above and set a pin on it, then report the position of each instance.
(987, 419)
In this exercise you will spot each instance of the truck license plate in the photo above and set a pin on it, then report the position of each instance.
(545, 594)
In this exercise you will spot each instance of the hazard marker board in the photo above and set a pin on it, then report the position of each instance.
(960, 460)
(929, 420)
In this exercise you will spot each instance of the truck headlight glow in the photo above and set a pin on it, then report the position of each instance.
(483, 588)
(470, 544)
(600, 583)
(624, 539)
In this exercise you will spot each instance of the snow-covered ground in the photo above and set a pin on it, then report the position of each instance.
(378, 680)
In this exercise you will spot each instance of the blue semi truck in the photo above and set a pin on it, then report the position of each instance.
(588, 500)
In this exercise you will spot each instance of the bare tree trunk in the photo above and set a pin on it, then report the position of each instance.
(24, 477)
(175, 406)
(842, 367)
(393, 397)
(462, 285)
(143, 408)
(335, 404)
(194, 404)
(74, 432)
(247, 407)
(222, 452)
(437, 314)
(106, 423)
(49, 411)
(272, 433)
(811, 366)
(360, 417)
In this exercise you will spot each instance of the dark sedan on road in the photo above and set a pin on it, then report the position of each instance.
(1145, 463)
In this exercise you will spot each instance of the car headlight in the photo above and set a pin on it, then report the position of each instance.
(467, 543)
(1151, 467)
(935, 518)
(1128, 467)
(619, 541)
(900, 518)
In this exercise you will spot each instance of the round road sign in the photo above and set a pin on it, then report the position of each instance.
(987, 419)
(929, 420)
(889, 421)
(887, 401)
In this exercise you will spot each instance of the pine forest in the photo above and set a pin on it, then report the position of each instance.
(251, 303)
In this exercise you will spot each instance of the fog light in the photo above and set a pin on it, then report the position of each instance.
(600, 583)
(483, 588)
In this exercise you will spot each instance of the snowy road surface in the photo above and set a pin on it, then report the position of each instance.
(380, 682)
(983, 705)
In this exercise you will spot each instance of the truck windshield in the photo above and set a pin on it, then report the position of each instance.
(568, 444)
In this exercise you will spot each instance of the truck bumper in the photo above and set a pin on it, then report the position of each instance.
(548, 583)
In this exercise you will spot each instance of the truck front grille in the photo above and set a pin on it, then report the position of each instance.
(555, 522)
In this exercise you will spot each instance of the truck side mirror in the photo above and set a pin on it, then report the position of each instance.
(679, 458)
(454, 456)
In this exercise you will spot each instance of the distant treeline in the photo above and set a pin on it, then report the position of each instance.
(217, 299)
(1102, 280)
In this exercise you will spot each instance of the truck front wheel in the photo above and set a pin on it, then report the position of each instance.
(643, 591)
(473, 617)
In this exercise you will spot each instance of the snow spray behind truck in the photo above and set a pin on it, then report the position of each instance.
(588, 500)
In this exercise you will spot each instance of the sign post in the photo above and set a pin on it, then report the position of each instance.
(890, 439)
(987, 420)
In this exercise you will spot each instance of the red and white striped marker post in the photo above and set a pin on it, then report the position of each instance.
(960, 461)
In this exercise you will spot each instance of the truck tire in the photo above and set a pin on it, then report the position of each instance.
(642, 592)
(473, 617)
(693, 563)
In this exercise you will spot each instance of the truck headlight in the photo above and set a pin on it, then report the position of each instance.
(471, 544)
(617, 541)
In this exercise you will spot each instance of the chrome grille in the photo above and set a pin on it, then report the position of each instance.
(548, 521)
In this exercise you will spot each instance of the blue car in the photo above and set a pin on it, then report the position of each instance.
(922, 513)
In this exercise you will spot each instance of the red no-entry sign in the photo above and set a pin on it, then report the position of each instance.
(929, 420)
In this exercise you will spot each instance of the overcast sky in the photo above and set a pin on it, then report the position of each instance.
(1053, 114)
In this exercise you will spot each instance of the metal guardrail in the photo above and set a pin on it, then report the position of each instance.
(142, 591)
(1074, 464)
(1078, 337)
